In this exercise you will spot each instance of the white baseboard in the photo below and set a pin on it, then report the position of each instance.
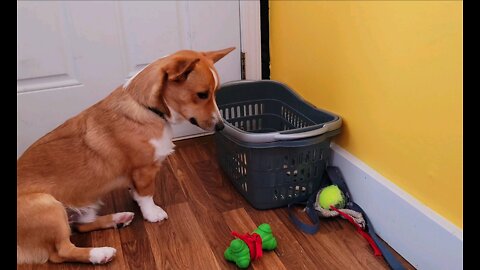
(420, 235)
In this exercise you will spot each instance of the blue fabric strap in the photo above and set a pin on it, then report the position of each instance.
(337, 179)
(310, 229)
(309, 208)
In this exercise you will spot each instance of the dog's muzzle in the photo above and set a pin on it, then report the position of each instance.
(219, 126)
(194, 121)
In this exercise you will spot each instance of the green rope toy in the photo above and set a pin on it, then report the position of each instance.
(248, 247)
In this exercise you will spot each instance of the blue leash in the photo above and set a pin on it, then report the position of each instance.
(309, 209)
(335, 176)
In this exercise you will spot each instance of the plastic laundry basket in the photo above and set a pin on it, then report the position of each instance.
(266, 111)
(275, 145)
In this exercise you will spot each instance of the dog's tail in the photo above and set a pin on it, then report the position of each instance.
(36, 214)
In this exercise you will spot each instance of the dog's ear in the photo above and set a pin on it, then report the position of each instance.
(179, 67)
(217, 55)
(147, 88)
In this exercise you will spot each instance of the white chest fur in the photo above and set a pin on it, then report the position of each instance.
(163, 146)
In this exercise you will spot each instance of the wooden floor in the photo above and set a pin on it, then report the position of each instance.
(203, 209)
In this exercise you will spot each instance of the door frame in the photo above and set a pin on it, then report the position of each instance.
(250, 40)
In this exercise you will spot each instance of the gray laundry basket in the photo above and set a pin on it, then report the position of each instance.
(275, 145)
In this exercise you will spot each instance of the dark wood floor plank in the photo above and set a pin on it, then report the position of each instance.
(204, 207)
(180, 242)
(290, 251)
(24, 267)
(134, 239)
(224, 195)
(54, 266)
(336, 246)
(46, 266)
(215, 180)
(211, 221)
(110, 238)
(238, 220)
(168, 189)
(318, 247)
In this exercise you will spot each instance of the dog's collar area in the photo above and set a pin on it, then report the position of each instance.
(157, 112)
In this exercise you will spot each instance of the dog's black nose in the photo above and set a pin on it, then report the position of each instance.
(219, 126)
(194, 121)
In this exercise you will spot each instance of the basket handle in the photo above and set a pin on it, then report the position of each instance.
(324, 129)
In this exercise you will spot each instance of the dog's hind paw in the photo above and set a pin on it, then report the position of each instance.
(122, 219)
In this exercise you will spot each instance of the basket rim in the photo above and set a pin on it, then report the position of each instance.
(285, 144)
(243, 135)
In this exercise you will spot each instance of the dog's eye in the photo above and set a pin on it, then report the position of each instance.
(203, 95)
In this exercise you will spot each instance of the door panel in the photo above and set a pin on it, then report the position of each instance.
(71, 54)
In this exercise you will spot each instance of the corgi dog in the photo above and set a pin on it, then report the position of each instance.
(120, 142)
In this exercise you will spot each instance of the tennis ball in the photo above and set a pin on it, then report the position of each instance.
(331, 195)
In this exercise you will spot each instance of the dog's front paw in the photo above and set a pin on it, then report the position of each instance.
(102, 255)
(154, 214)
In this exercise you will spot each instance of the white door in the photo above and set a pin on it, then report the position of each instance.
(71, 54)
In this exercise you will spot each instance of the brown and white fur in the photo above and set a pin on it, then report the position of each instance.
(119, 142)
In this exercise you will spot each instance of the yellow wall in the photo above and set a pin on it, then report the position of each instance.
(393, 71)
